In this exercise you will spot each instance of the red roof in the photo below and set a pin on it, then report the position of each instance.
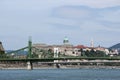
(80, 46)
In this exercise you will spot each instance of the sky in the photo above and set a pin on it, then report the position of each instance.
(49, 21)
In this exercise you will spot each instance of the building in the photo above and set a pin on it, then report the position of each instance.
(68, 49)
(78, 48)
(64, 49)
(2, 51)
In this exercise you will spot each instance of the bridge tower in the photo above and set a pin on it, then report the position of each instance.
(29, 63)
(56, 51)
(30, 48)
(56, 55)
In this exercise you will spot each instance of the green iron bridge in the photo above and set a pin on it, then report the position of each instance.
(30, 57)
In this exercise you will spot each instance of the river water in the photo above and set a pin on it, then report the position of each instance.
(61, 74)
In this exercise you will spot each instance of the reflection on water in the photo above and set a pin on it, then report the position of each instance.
(61, 74)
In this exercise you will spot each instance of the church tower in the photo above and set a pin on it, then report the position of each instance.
(92, 43)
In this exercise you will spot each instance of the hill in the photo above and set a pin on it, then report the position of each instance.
(116, 46)
(20, 52)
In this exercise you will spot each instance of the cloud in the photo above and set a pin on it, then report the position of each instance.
(49, 21)
(75, 12)
(94, 3)
(110, 14)
(91, 18)
(48, 4)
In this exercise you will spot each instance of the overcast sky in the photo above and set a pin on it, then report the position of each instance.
(49, 21)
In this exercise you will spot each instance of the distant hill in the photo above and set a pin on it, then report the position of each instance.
(20, 52)
(8, 51)
(116, 46)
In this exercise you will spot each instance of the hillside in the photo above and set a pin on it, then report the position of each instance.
(116, 46)
(20, 52)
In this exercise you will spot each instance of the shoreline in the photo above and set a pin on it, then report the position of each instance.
(62, 67)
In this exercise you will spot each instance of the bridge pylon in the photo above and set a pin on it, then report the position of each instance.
(30, 48)
(29, 63)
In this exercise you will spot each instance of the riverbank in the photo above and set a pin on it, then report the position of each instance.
(63, 67)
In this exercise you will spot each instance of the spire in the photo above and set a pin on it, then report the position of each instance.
(92, 43)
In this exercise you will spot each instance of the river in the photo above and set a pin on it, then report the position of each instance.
(61, 74)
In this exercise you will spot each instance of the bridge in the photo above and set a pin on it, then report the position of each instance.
(30, 58)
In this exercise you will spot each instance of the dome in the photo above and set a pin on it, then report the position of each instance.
(66, 40)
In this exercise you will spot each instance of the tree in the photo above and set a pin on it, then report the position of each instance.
(93, 53)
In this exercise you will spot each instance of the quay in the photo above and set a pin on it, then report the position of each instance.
(60, 63)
